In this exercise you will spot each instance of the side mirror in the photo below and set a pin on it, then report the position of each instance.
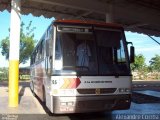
(132, 52)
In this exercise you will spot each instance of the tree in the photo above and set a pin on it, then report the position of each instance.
(26, 43)
(155, 63)
(139, 63)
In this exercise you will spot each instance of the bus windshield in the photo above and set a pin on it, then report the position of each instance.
(96, 52)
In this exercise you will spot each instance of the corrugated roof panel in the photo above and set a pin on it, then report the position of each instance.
(127, 12)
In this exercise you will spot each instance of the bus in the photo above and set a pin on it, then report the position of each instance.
(82, 66)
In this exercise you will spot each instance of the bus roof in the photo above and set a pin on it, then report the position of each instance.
(87, 22)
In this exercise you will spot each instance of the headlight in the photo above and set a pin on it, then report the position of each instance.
(122, 90)
(127, 90)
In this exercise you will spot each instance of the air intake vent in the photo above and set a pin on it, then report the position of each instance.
(94, 91)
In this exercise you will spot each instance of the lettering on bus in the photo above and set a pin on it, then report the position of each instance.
(97, 81)
(54, 81)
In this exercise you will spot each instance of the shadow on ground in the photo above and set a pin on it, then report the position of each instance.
(21, 93)
(140, 98)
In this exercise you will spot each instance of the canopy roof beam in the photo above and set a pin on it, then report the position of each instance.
(96, 6)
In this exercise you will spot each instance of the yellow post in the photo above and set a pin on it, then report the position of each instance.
(13, 83)
(14, 53)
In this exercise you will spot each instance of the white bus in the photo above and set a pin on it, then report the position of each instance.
(82, 66)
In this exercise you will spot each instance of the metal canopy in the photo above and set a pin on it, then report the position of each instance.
(142, 16)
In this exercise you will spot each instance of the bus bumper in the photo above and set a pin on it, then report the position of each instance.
(82, 104)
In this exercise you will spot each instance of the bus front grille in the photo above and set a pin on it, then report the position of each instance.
(96, 91)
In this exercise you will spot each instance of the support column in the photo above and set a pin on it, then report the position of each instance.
(109, 14)
(14, 53)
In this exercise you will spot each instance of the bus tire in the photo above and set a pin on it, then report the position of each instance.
(44, 96)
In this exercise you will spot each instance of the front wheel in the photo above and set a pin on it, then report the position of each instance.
(44, 96)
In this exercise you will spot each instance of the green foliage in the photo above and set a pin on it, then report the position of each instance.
(26, 43)
(139, 63)
(155, 63)
(144, 72)
(3, 74)
(5, 47)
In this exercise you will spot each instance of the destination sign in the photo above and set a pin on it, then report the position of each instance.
(73, 29)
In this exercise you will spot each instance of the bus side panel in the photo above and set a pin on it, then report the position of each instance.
(49, 101)
(42, 84)
(38, 76)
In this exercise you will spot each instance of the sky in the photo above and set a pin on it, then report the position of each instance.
(142, 43)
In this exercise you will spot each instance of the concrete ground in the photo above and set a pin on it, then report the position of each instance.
(27, 103)
(30, 108)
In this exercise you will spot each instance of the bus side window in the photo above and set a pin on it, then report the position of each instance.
(42, 49)
(48, 38)
(36, 55)
(47, 47)
(33, 58)
(58, 51)
(39, 52)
